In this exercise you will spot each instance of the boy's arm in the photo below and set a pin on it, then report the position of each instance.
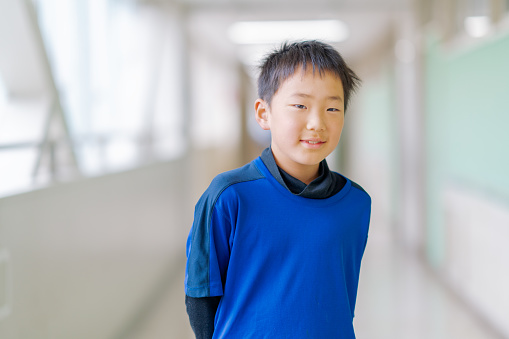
(208, 254)
(202, 312)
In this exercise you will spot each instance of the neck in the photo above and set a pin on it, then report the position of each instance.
(307, 179)
(306, 174)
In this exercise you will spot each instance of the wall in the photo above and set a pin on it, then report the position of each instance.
(467, 114)
(370, 137)
(86, 259)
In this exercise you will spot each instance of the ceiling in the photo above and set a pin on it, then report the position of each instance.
(369, 21)
(286, 5)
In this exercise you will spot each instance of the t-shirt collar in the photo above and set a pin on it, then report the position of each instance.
(322, 187)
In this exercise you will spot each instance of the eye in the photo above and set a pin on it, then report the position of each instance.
(299, 106)
(332, 109)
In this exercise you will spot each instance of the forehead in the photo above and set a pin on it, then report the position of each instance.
(309, 79)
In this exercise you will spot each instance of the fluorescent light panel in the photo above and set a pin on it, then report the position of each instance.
(477, 26)
(269, 32)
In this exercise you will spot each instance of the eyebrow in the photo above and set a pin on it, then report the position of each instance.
(304, 95)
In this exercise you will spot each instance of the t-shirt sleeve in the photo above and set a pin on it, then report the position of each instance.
(208, 245)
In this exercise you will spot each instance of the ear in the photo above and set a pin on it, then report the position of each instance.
(262, 114)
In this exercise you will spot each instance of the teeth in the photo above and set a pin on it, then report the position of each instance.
(313, 142)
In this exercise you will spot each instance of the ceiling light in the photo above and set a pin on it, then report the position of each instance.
(269, 32)
(477, 26)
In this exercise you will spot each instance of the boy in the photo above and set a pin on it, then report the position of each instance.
(276, 246)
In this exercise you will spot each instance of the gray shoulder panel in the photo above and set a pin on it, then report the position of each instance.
(245, 173)
(198, 246)
(356, 185)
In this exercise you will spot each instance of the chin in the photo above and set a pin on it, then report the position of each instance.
(312, 161)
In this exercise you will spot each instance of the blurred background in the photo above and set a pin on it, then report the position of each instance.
(116, 114)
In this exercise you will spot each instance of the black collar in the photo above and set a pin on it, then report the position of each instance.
(326, 185)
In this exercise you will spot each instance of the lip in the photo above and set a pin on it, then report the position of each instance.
(312, 143)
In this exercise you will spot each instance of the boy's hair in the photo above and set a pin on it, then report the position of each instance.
(285, 60)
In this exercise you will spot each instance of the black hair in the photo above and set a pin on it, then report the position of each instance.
(285, 60)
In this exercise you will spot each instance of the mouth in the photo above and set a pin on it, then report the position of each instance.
(313, 142)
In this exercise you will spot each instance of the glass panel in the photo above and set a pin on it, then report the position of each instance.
(22, 122)
(91, 157)
(121, 154)
(16, 165)
(109, 155)
(3, 94)
(117, 67)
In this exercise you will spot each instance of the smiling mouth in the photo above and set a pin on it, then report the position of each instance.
(312, 142)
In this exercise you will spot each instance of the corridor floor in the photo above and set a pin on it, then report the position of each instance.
(398, 298)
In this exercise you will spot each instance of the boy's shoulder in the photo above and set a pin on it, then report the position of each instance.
(359, 187)
(362, 192)
(356, 189)
(222, 181)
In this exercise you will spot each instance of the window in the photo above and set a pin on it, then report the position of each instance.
(117, 65)
(21, 129)
(120, 103)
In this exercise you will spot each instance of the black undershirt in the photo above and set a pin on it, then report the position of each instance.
(325, 186)
(202, 311)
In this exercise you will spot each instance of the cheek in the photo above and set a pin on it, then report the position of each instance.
(336, 123)
(340, 126)
(336, 129)
(286, 125)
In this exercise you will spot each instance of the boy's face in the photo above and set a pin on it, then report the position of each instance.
(305, 118)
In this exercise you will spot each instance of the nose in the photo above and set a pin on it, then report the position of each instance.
(315, 121)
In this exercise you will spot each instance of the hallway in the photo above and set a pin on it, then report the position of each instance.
(116, 115)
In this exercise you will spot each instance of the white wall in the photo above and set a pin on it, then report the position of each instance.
(476, 257)
(91, 259)
(80, 259)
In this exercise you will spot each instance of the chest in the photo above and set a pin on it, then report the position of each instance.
(280, 226)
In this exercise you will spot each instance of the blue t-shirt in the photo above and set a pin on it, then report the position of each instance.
(285, 266)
